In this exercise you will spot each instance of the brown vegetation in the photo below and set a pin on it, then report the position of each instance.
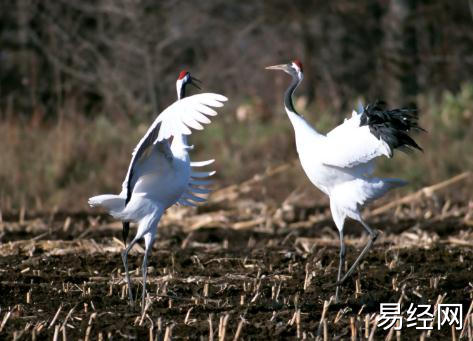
(81, 82)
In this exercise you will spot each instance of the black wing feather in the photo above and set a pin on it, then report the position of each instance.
(148, 141)
(392, 126)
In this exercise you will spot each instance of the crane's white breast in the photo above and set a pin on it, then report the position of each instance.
(161, 180)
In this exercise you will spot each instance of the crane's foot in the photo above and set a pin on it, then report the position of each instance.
(131, 301)
(336, 299)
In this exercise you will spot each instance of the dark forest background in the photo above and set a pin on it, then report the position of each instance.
(80, 81)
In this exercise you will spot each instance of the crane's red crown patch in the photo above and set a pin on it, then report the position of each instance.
(182, 74)
(298, 63)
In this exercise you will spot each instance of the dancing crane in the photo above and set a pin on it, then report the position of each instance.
(160, 174)
(341, 163)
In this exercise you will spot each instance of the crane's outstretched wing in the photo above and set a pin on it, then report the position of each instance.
(196, 185)
(369, 134)
(350, 145)
(174, 120)
(189, 112)
(144, 147)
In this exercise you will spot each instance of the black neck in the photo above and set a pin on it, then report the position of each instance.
(288, 95)
(182, 91)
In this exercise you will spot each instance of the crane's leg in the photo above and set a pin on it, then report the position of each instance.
(341, 264)
(373, 235)
(125, 264)
(149, 239)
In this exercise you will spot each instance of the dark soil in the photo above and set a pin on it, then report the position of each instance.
(255, 277)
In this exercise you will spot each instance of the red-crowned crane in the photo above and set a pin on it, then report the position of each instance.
(340, 163)
(160, 173)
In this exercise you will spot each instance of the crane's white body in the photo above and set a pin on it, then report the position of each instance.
(163, 175)
(340, 163)
(160, 175)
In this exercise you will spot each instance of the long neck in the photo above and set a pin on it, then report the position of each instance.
(303, 130)
(181, 90)
(288, 95)
(180, 141)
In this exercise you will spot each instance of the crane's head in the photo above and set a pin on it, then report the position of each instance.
(293, 68)
(186, 78)
(183, 79)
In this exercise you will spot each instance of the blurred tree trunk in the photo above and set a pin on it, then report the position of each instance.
(122, 57)
(400, 52)
(309, 45)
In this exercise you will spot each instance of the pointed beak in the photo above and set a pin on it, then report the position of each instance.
(277, 67)
(193, 82)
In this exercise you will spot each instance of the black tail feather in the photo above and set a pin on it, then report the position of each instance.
(392, 126)
(125, 231)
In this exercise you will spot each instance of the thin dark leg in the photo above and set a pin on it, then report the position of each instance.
(125, 264)
(373, 235)
(341, 264)
(145, 273)
(149, 239)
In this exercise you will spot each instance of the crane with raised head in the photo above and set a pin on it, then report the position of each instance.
(341, 162)
(160, 173)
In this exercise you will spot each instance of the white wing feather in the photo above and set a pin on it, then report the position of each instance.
(187, 112)
(199, 190)
(188, 198)
(202, 174)
(193, 197)
(185, 202)
(175, 120)
(202, 163)
(350, 145)
(200, 182)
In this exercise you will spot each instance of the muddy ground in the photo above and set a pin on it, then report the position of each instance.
(61, 275)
